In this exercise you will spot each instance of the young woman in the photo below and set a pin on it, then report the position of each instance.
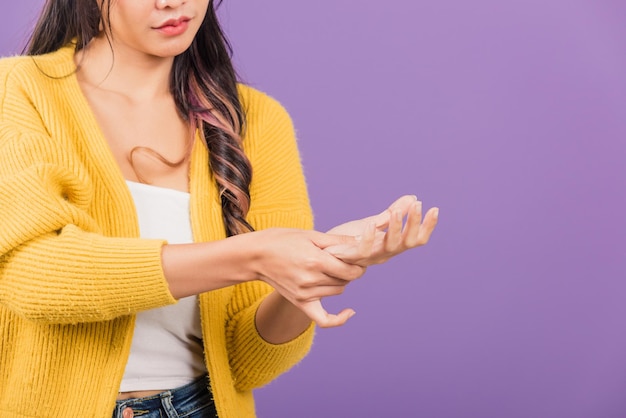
(157, 256)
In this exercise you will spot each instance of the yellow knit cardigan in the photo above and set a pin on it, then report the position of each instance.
(73, 271)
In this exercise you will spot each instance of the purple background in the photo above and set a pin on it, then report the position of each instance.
(510, 116)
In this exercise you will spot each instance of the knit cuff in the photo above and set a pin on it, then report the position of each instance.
(256, 362)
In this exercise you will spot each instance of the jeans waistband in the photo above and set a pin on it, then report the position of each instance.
(182, 399)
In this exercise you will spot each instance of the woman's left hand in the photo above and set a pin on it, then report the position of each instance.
(385, 235)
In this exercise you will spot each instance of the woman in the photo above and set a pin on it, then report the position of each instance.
(145, 270)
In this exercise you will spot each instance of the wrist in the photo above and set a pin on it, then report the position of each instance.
(249, 252)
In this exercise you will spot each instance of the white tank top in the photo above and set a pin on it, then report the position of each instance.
(167, 349)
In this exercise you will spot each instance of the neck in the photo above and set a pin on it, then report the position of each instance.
(120, 69)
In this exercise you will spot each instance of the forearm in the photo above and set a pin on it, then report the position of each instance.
(278, 321)
(191, 269)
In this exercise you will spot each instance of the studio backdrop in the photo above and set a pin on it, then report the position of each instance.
(508, 115)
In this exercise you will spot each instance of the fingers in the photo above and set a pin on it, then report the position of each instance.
(323, 319)
(393, 238)
(310, 302)
(326, 282)
(413, 225)
(403, 204)
(417, 231)
(428, 226)
(310, 286)
(367, 238)
(376, 246)
(331, 265)
(337, 268)
(319, 291)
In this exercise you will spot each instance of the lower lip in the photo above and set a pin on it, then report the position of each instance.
(171, 30)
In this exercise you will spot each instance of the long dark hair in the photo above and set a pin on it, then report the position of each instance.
(203, 83)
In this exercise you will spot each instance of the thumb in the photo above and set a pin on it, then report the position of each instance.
(356, 254)
(323, 319)
(322, 240)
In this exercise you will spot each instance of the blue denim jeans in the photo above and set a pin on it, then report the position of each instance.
(193, 400)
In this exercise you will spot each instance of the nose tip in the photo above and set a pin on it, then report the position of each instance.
(162, 4)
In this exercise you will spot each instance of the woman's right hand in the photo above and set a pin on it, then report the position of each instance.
(293, 262)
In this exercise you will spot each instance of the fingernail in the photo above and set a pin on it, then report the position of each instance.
(436, 213)
(352, 314)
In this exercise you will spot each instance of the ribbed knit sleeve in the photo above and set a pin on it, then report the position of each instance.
(279, 199)
(56, 263)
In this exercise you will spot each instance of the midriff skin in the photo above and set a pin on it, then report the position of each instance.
(122, 396)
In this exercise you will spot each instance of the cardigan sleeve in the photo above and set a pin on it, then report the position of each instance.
(56, 264)
(279, 199)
